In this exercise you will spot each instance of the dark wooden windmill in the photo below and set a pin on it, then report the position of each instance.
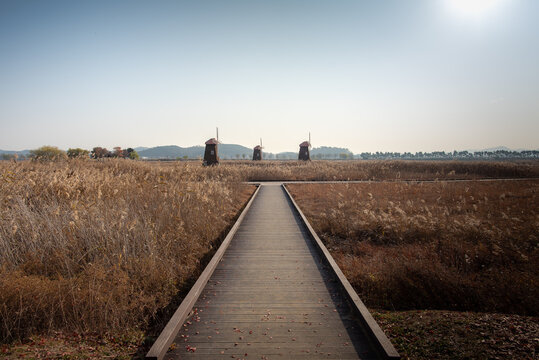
(304, 150)
(257, 151)
(211, 156)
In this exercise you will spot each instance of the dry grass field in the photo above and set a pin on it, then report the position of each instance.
(94, 245)
(443, 245)
(379, 170)
(94, 253)
(450, 335)
(466, 246)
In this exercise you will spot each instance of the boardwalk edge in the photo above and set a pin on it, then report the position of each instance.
(165, 339)
(371, 327)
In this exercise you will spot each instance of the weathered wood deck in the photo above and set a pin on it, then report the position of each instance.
(272, 295)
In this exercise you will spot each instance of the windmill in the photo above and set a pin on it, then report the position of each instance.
(211, 156)
(304, 150)
(257, 151)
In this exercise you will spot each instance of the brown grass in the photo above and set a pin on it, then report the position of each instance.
(375, 170)
(440, 334)
(442, 245)
(95, 245)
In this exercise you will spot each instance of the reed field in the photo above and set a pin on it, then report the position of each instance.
(441, 245)
(94, 245)
(376, 170)
(449, 269)
(106, 247)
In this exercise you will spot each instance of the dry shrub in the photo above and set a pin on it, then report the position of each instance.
(380, 170)
(93, 245)
(442, 245)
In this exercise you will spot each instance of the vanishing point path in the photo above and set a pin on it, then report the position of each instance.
(271, 296)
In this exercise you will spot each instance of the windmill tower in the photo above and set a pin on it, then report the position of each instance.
(257, 151)
(211, 156)
(304, 150)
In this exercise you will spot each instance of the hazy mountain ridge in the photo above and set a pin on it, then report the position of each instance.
(192, 152)
(235, 151)
(171, 152)
(226, 151)
(230, 151)
(11, 152)
(498, 148)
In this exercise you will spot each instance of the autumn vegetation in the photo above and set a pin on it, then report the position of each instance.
(48, 153)
(92, 245)
(441, 245)
(407, 247)
(107, 243)
(375, 170)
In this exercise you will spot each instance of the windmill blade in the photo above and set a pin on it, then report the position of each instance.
(217, 134)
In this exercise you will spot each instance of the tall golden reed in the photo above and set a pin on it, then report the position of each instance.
(442, 245)
(95, 245)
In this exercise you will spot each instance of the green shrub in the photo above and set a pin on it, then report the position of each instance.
(77, 153)
(48, 153)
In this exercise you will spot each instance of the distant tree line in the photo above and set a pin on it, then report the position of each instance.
(117, 152)
(52, 153)
(457, 155)
(6, 156)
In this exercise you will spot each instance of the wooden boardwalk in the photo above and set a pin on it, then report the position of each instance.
(271, 296)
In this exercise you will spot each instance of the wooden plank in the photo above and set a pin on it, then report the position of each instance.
(272, 295)
(370, 325)
(161, 345)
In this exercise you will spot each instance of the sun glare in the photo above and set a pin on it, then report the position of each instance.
(472, 8)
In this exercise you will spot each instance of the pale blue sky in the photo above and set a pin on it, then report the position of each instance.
(392, 75)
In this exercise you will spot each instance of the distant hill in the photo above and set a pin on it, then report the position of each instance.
(323, 152)
(285, 155)
(329, 150)
(235, 151)
(504, 148)
(226, 151)
(499, 148)
(171, 152)
(231, 151)
(11, 152)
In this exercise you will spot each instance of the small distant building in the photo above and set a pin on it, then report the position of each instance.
(257, 153)
(304, 151)
(211, 156)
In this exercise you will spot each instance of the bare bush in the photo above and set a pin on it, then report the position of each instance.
(105, 244)
(381, 170)
(93, 245)
(441, 245)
